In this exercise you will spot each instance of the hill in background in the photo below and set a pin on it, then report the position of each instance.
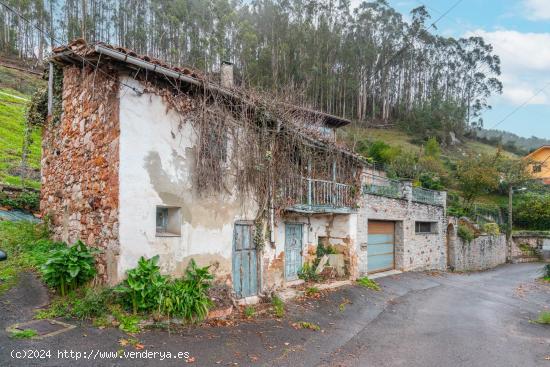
(16, 89)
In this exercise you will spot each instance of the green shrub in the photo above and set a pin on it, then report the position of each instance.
(532, 211)
(249, 312)
(188, 297)
(26, 200)
(368, 283)
(307, 273)
(323, 250)
(546, 271)
(142, 289)
(491, 228)
(466, 233)
(311, 291)
(69, 267)
(92, 304)
(278, 306)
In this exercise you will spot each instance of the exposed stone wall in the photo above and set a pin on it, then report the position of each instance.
(80, 160)
(527, 247)
(412, 251)
(482, 253)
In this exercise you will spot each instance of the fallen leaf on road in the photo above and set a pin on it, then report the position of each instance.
(190, 360)
(139, 346)
(123, 342)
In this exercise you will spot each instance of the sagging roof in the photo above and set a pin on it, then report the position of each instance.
(79, 49)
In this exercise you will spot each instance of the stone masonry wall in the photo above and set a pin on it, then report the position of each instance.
(482, 253)
(80, 160)
(527, 247)
(412, 251)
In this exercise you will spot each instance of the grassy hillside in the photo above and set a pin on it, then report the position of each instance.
(15, 91)
(398, 138)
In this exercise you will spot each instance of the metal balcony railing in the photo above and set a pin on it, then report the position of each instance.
(426, 196)
(382, 186)
(310, 194)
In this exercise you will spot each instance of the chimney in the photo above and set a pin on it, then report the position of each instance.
(226, 74)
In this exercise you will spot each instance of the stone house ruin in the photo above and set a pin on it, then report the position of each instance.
(141, 158)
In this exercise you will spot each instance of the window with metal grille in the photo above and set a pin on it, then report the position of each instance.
(425, 227)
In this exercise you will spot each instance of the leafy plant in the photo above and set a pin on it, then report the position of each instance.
(249, 312)
(307, 273)
(368, 283)
(466, 233)
(93, 304)
(323, 250)
(278, 306)
(69, 267)
(188, 297)
(544, 317)
(306, 325)
(127, 323)
(24, 334)
(142, 289)
(491, 228)
(311, 291)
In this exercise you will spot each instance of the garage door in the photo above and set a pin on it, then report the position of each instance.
(380, 246)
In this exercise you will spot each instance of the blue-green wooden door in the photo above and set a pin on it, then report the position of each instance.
(293, 250)
(381, 246)
(245, 269)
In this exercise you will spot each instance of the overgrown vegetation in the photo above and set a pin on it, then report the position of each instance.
(307, 273)
(27, 245)
(368, 283)
(465, 233)
(12, 135)
(69, 267)
(24, 334)
(544, 318)
(26, 200)
(278, 306)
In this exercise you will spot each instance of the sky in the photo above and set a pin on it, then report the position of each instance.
(519, 31)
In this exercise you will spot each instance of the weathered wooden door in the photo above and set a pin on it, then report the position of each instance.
(245, 269)
(293, 250)
(380, 246)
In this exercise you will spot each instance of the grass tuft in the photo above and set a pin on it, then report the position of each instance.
(278, 306)
(24, 334)
(544, 318)
(368, 283)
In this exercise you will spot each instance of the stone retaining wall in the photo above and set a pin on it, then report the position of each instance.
(484, 252)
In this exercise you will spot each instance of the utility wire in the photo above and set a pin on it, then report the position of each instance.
(539, 91)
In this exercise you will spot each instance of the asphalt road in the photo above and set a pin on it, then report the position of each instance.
(418, 319)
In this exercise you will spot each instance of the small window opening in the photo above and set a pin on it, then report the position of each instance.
(537, 168)
(168, 220)
(425, 227)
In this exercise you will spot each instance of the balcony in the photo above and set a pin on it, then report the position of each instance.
(308, 195)
(383, 186)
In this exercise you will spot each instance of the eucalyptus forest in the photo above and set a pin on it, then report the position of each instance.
(367, 62)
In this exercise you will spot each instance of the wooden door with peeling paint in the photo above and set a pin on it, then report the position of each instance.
(245, 269)
(293, 250)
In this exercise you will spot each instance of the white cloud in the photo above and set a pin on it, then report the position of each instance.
(525, 63)
(537, 9)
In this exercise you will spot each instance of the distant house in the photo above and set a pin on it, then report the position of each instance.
(540, 168)
(141, 158)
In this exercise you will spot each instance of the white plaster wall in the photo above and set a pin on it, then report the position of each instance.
(156, 160)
